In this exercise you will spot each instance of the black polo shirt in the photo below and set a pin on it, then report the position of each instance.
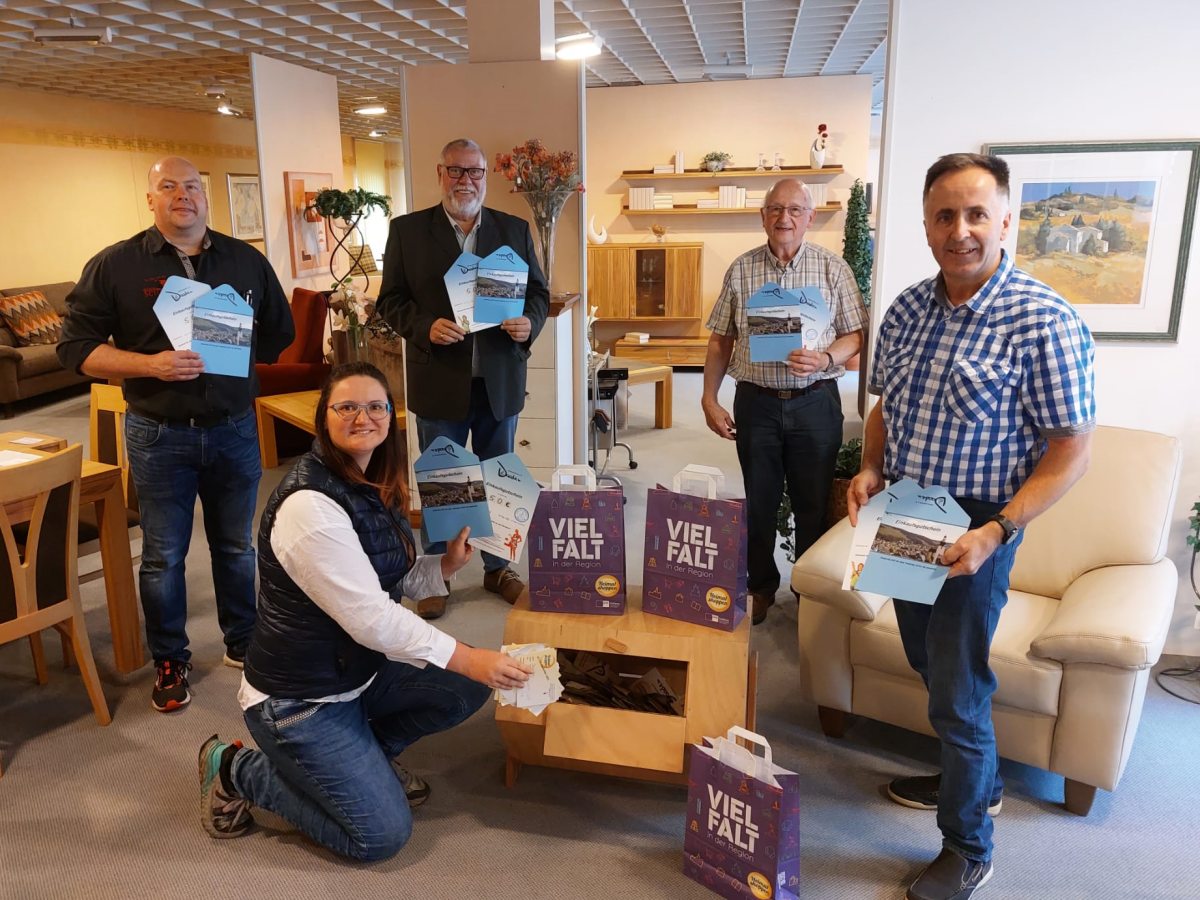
(115, 298)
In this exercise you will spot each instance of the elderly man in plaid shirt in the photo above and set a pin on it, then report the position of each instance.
(986, 385)
(788, 415)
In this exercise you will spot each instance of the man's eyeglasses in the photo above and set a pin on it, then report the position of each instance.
(456, 172)
(377, 410)
(794, 211)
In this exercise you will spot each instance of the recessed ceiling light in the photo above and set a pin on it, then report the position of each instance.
(376, 133)
(73, 35)
(373, 110)
(577, 46)
(228, 109)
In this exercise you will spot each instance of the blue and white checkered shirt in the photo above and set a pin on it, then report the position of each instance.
(970, 393)
(812, 265)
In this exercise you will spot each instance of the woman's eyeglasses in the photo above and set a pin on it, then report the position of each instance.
(377, 410)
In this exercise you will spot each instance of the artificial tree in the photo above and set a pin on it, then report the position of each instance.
(856, 243)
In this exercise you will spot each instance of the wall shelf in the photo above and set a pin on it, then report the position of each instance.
(692, 210)
(741, 172)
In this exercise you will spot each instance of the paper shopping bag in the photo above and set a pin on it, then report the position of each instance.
(742, 834)
(577, 547)
(695, 556)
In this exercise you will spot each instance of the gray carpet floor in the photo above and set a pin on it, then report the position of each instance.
(94, 812)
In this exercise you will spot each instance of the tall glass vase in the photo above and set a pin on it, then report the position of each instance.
(546, 207)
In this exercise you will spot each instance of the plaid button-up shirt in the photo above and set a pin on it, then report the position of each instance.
(811, 266)
(970, 393)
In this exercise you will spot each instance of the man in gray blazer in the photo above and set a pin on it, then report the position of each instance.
(459, 383)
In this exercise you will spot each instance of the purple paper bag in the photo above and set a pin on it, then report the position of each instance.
(695, 555)
(742, 837)
(577, 548)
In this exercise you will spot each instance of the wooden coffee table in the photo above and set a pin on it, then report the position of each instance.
(299, 409)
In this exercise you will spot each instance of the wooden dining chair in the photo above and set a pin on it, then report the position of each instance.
(106, 435)
(39, 584)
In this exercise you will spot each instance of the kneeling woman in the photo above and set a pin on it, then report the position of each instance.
(340, 678)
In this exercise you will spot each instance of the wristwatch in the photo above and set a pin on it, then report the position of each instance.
(1011, 529)
(831, 362)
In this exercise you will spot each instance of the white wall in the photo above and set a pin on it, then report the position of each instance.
(960, 76)
(296, 118)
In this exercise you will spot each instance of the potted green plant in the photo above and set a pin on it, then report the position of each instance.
(348, 208)
(715, 160)
(845, 467)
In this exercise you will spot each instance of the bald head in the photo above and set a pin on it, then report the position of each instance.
(792, 187)
(175, 195)
(786, 214)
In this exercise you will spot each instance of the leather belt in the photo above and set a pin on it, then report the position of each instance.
(208, 421)
(789, 394)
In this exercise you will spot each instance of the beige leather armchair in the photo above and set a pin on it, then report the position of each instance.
(1090, 602)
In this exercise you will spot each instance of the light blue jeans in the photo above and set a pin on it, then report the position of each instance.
(325, 767)
(171, 465)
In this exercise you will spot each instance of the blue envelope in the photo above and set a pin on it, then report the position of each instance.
(780, 321)
(905, 557)
(222, 332)
(500, 286)
(450, 484)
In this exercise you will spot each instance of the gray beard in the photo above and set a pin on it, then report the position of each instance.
(463, 209)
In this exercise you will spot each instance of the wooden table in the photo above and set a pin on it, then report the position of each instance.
(299, 409)
(660, 376)
(712, 671)
(100, 484)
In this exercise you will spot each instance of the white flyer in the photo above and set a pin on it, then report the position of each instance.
(460, 288)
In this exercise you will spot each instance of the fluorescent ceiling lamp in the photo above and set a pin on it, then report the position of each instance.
(73, 35)
(374, 110)
(228, 109)
(577, 46)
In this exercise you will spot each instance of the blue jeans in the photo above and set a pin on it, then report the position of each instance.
(948, 645)
(325, 767)
(171, 465)
(489, 438)
(795, 441)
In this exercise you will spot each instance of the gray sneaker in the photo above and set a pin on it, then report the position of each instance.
(921, 792)
(950, 877)
(416, 788)
(222, 813)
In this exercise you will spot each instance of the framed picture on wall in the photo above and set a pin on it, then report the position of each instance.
(245, 206)
(1108, 226)
(206, 182)
(308, 232)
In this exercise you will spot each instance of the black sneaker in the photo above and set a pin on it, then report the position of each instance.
(416, 788)
(171, 686)
(950, 877)
(921, 792)
(235, 657)
(222, 812)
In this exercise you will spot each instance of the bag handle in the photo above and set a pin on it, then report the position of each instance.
(750, 737)
(571, 473)
(710, 477)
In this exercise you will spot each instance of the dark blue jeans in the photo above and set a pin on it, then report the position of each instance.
(795, 441)
(948, 645)
(489, 438)
(325, 767)
(171, 465)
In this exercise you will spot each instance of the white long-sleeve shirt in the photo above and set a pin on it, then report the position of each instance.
(318, 548)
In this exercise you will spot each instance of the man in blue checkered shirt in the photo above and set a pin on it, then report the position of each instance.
(986, 389)
(789, 415)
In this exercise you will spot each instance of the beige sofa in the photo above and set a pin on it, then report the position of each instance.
(1090, 602)
(30, 371)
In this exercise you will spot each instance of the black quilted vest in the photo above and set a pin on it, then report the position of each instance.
(298, 651)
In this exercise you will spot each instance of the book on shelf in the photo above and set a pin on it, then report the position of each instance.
(756, 195)
(819, 194)
(641, 198)
(752, 203)
(708, 203)
(637, 337)
(668, 169)
(678, 162)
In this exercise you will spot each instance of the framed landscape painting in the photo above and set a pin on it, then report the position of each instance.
(1108, 226)
(206, 183)
(245, 206)
(308, 232)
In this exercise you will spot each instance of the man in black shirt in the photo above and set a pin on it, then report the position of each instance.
(186, 433)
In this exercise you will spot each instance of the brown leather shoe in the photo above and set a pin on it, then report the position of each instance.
(759, 605)
(506, 583)
(431, 607)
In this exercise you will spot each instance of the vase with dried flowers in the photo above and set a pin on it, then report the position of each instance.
(546, 180)
(816, 153)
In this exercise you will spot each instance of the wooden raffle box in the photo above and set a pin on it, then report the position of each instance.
(712, 672)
